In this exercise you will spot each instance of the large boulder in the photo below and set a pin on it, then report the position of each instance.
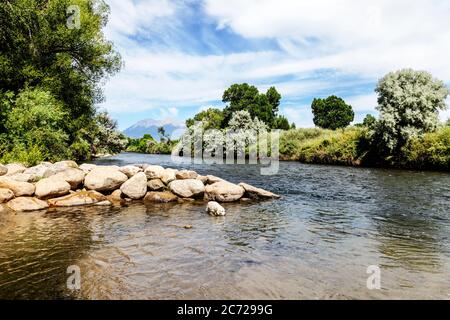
(79, 198)
(203, 179)
(27, 204)
(215, 209)
(186, 174)
(210, 179)
(73, 176)
(51, 187)
(160, 197)
(3, 170)
(42, 170)
(64, 165)
(136, 186)
(19, 188)
(14, 168)
(189, 188)
(116, 196)
(168, 176)
(130, 171)
(257, 193)
(104, 179)
(5, 195)
(154, 172)
(87, 167)
(24, 177)
(224, 191)
(155, 185)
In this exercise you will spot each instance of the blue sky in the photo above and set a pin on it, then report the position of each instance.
(181, 55)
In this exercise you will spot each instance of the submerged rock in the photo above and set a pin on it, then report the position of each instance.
(79, 198)
(51, 187)
(258, 193)
(136, 186)
(224, 191)
(104, 179)
(5, 195)
(215, 209)
(160, 197)
(189, 188)
(19, 188)
(27, 204)
(155, 185)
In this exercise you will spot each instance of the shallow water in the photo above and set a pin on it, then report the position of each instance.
(316, 242)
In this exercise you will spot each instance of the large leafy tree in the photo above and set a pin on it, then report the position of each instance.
(332, 113)
(212, 118)
(246, 97)
(408, 102)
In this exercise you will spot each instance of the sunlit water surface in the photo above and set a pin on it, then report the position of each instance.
(316, 242)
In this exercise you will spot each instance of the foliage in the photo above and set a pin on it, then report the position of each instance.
(245, 97)
(212, 119)
(332, 113)
(408, 103)
(282, 123)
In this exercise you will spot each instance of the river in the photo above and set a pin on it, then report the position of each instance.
(317, 242)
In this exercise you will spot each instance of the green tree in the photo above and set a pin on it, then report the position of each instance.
(246, 97)
(408, 102)
(212, 118)
(332, 113)
(369, 121)
(282, 123)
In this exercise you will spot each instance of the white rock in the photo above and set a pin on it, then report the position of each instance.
(14, 168)
(5, 195)
(213, 179)
(73, 176)
(224, 191)
(130, 171)
(169, 175)
(19, 188)
(24, 177)
(186, 174)
(155, 185)
(136, 186)
(188, 188)
(64, 165)
(40, 171)
(215, 209)
(203, 179)
(87, 167)
(154, 172)
(27, 204)
(51, 187)
(104, 179)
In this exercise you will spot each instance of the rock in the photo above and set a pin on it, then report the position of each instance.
(155, 185)
(143, 166)
(73, 176)
(136, 186)
(168, 176)
(19, 188)
(27, 204)
(154, 172)
(189, 188)
(215, 209)
(87, 167)
(14, 168)
(3, 170)
(79, 198)
(51, 187)
(160, 197)
(258, 193)
(224, 191)
(116, 196)
(40, 171)
(104, 179)
(64, 165)
(103, 203)
(186, 174)
(213, 179)
(203, 179)
(130, 171)
(5, 195)
(24, 177)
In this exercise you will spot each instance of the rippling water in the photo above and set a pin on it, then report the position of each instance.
(316, 242)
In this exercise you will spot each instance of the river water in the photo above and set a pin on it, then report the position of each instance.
(317, 242)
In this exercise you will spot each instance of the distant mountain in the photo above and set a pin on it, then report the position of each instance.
(150, 126)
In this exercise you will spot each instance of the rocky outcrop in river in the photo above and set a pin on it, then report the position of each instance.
(65, 184)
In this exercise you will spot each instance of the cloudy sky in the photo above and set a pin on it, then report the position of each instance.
(181, 55)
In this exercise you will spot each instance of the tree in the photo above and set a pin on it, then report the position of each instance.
(282, 123)
(369, 121)
(408, 103)
(332, 113)
(212, 118)
(245, 97)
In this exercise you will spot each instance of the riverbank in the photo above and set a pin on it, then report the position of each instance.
(65, 184)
